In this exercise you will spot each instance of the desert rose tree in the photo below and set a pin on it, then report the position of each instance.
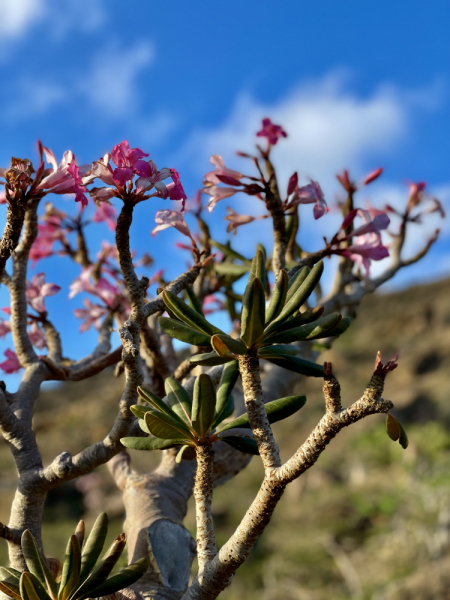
(205, 429)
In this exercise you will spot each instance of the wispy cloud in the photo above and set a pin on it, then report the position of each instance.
(18, 15)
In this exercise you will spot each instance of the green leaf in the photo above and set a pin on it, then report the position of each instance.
(341, 327)
(37, 564)
(203, 405)
(10, 589)
(10, 574)
(310, 331)
(227, 251)
(229, 268)
(184, 333)
(179, 400)
(211, 359)
(297, 279)
(258, 267)
(193, 300)
(123, 579)
(186, 452)
(70, 577)
(80, 532)
(27, 588)
(295, 299)
(403, 438)
(93, 546)
(100, 573)
(308, 316)
(277, 410)
(247, 445)
(253, 313)
(143, 426)
(278, 297)
(298, 365)
(188, 315)
(156, 403)
(164, 427)
(224, 344)
(148, 443)
(224, 403)
(279, 349)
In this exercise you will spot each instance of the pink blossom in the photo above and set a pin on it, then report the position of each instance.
(144, 184)
(374, 221)
(37, 290)
(271, 131)
(372, 176)
(292, 184)
(65, 178)
(221, 170)
(102, 195)
(175, 189)
(217, 194)
(238, 220)
(5, 327)
(48, 234)
(415, 193)
(3, 197)
(212, 304)
(11, 364)
(36, 336)
(128, 162)
(366, 248)
(344, 180)
(106, 212)
(312, 194)
(102, 289)
(91, 315)
(170, 218)
(101, 169)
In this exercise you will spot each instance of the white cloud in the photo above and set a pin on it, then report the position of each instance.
(110, 85)
(18, 15)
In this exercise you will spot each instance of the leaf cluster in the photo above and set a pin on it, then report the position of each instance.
(81, 576)
(191, 423)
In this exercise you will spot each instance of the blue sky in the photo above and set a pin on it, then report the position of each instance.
(355, 84)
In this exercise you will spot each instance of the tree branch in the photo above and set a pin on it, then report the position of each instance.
(254, 402)
(203, 492)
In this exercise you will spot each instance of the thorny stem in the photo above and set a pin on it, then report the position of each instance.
(254, 402)
(203, 492)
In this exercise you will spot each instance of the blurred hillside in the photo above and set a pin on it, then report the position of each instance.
(370, 520)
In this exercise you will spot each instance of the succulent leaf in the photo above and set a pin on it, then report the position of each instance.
(224, 403)
(179, 399)
(203, 405)
(229, 268)
(156, 403)
(188, 315)
(184, 333)
(253, 313)
(278, 297)
(193, 300)
(225, 344)
(70, 577)
(211, 359)
(243, 444)
(148, 443)
(310, 331)
(296, 364)
(164, 427)
(27, 587)
(186, 452)
(277, 410)
(93, 546)
(123, 579)
(227, 251)
(37, 564)
(10, 589)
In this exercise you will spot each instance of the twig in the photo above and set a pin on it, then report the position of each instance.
(10, 536)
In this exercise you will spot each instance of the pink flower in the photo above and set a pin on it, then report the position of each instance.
(5, 327)
(372, 176)
(222, 171)
(415, 193)
(127, 161)
(366, 248)
(37, 290)
(102, 195)
(212, 304)
(11, 364)
(271, 132)
(65, 178)
(154, 178)
(170, 218)
(344, 180)
(374, 221)
(101, 169)
(102, 289)
(238, 220)
(106, 212)
(311, 194)
(91, 315)
(217, 194)
(175, 189)
(36, 336)
(292, 184)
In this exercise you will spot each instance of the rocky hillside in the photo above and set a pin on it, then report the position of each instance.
(369, 521)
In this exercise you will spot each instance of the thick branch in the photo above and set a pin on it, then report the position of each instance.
(254, 402)
(14, 222)
(203, 492)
